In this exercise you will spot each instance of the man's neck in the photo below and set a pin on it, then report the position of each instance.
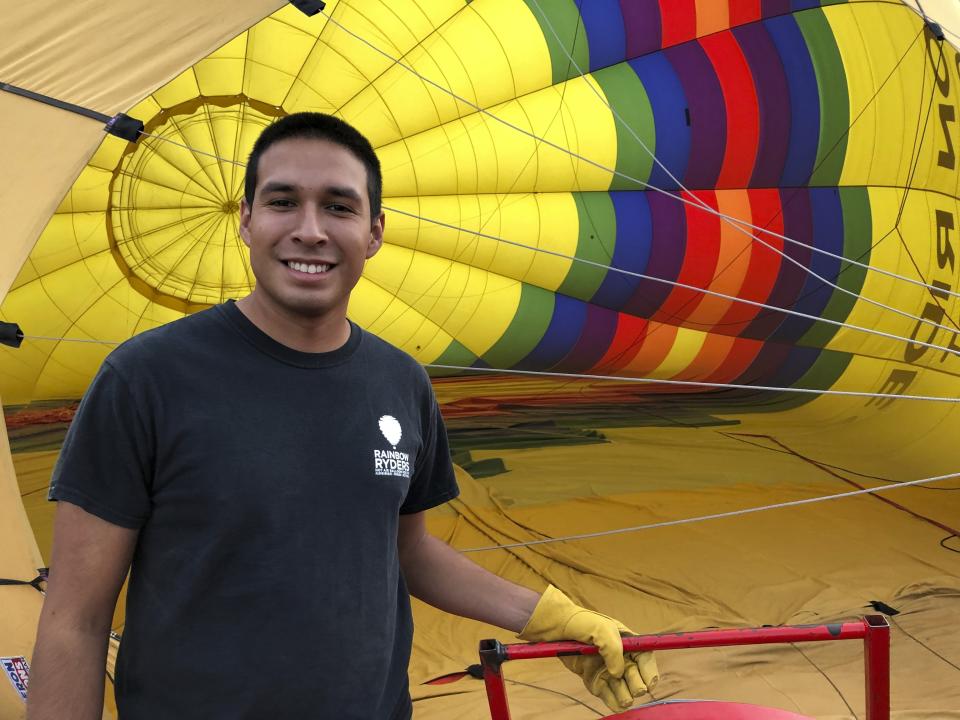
(318, 334)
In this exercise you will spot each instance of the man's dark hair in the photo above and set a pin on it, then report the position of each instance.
(317, 126)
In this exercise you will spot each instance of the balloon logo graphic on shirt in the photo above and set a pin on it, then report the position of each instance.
(391, 429)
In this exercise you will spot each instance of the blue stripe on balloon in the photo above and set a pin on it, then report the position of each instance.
(631, 252)
(708, 113)
(798, 5)
(605, 33)
(804, 99)
(799, 360)
(773, 102)
(669, 104)
(565, 327)
(827, 214)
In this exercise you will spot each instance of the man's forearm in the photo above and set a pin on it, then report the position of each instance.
(444, 578)
(67, 673)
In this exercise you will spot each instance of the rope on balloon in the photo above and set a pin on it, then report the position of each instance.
(674, 283)
(616, 378)
(921, 320)
(736, 223)
(713, 516)
(685, 286)
(740, 224)
(692, 383)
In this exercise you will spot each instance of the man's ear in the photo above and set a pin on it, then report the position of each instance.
(376, 235)
(245, 221)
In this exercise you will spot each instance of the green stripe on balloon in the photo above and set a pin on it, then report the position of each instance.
(834, 99)
(822, 375)
(456, 354)
(564, 18)
(825, 372)
(626, 94)
(857, 236)
(529, 324)
(597, 237)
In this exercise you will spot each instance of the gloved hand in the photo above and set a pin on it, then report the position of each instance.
(614, 677)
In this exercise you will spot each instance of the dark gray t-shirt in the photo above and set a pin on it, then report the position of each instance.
(266, 484)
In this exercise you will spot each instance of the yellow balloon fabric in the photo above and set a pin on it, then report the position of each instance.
(664, 259)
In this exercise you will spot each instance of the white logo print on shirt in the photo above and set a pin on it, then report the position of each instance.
(391, 429)
(391, 462)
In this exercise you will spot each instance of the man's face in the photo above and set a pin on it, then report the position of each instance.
(309, 229)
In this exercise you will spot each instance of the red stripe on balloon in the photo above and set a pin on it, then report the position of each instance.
(743, 112)
(626, 343)
(699, 260)
(679, 21)
(744, 11)
(739, 357)
(764, 263)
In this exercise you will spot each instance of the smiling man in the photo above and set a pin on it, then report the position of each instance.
(262, 468)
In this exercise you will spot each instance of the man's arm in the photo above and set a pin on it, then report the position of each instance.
(88, 564)
(444, 578)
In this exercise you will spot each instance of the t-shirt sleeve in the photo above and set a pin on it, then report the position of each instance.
(433, 482)
(105, 463)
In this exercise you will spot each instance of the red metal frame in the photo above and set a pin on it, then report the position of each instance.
(872, 629)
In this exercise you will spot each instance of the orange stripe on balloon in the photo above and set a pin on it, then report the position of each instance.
(712, 16)
(712, 353)
(657, 344)
(732, 264)
(764, 262)
(743, 111)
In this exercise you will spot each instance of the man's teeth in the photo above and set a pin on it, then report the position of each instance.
(307, 268)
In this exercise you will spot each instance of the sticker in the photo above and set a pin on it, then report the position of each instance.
(17, 670)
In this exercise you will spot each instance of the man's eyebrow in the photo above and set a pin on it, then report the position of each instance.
(282, 186)
(346, 192)
(274, 186)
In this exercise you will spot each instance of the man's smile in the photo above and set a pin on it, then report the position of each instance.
(315, 267)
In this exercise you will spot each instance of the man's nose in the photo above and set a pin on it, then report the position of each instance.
(310, 229)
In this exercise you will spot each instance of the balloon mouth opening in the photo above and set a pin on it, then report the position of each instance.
(231, 206)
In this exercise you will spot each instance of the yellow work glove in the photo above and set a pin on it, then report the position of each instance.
(614, 677)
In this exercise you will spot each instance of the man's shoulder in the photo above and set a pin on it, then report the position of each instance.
(392, 359)
(382, 349)
(153, 345)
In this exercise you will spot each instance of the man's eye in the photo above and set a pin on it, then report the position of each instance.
(281, 202)
(337, 207)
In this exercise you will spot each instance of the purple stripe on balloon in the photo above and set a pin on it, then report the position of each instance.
(770, 358)
(641, 21)
(779, 365)
(708, 113)
(769, 8)
(826, 212)
(598, 330)
(773, 98)
(669, 232)
(797, 224)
